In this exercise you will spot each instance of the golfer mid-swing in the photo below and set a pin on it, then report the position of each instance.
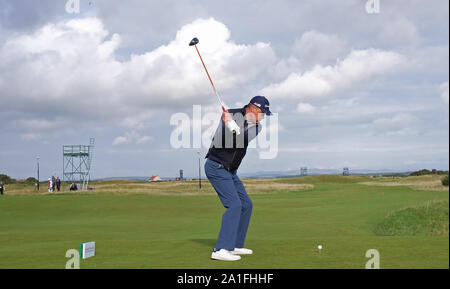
(223, 159)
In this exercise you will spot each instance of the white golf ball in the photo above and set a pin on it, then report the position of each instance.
(319, 247)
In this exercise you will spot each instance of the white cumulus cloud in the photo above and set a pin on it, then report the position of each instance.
(321, 81)
(69, 70)
(132, 137)
(314, 48)
(305, 108)
(401, 123)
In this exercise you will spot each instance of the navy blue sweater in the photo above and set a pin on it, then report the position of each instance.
(229, 149)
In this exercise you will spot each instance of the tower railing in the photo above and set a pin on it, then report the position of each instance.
(77, 161)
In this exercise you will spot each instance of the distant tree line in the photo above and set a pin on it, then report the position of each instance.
(428, 172)
(8, 180)
(398, 175)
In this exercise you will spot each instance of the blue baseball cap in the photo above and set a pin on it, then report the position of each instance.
(262, 103)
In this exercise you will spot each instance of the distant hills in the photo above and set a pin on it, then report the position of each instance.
(313, 171)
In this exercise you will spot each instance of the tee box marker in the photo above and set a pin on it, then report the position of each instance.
(87, 249)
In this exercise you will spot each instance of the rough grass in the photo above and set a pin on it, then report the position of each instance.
(321, 179)
(424, 183)
(428, 219)
(185, 188)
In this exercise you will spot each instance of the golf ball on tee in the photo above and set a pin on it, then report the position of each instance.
(319, 247)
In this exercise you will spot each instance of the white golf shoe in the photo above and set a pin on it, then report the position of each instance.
(224, 255)
(241, 251)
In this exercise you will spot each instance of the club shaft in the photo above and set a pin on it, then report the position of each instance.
(210, 80)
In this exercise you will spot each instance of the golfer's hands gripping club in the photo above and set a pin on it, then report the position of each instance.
(230, 123)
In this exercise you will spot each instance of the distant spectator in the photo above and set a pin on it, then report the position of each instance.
(58, 184)
(53, 183)
(73, 187)
(2, 188)
(50, 185)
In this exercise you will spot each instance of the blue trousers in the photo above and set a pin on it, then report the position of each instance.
(238, 205)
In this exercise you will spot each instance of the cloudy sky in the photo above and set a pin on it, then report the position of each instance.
(351, 88)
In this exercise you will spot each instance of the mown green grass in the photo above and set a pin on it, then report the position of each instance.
(145, 230)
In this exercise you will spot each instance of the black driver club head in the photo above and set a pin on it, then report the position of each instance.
(194, 41)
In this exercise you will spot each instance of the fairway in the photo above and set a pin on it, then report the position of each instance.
(175, 225)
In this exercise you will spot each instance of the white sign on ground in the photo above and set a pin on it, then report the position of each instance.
(87, 250)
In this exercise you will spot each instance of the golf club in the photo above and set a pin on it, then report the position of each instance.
(232, 126)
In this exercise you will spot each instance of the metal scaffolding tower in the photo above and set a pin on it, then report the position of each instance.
(181, 175)
(345, 172)
(303, 171)
(77, 161)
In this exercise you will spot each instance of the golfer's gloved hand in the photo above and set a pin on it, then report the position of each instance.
(233, 127)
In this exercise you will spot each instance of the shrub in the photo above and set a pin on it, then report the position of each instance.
(6, 179)
(421, 173)
(445, 181)
(428, 172)
(31, 181)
